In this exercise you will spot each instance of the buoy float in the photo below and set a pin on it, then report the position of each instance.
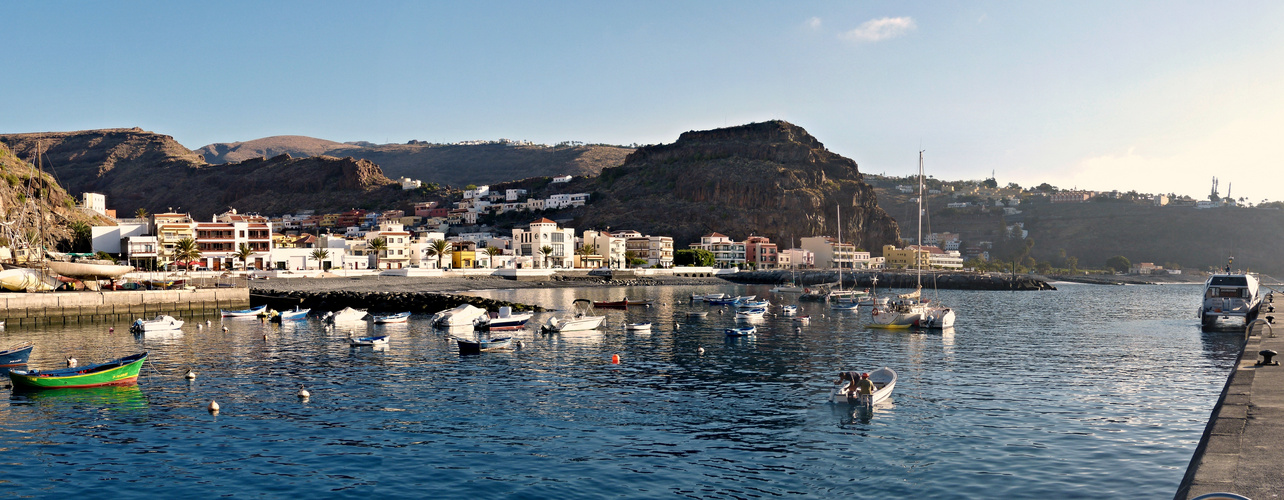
(190, 375)
(213, 407)
(699, 350)
(111, 329)
(303, 393)
(71, 362)
(225, 329)
(615, 359)
(208, 322)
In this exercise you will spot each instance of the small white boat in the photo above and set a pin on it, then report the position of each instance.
(697, 314)
(245, 313)
(292, 315)
(787, 289)
(844, 306)
(159, 323)
(581, 320)
(461, 315)
(788, 310)
(884, 380)
(368, 341)
(803, 320)
(345, 315)
(392, 318)
(938, 317)
(741, 332)
(1230, 296)
(753, 304)
(751, 313)
(634, 327)
(503, 320)
(709, 296)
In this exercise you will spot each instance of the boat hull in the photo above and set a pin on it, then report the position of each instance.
(16, 355)
(244, 313)
(26, 280)
(123, 371)
(575, 324)
(480, 346)
(884, 380)
(84, 270)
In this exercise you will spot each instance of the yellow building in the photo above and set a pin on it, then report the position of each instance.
(464, 255)
(903, 258)
(171, 228)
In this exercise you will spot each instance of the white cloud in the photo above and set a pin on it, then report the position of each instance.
(880, 29)
(814, 23)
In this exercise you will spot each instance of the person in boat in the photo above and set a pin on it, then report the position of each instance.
(865, 389)
(851, 379)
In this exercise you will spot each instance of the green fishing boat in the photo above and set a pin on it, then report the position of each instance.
(123, 371)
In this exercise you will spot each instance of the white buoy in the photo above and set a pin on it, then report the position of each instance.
(213, 407)
(303, 393)
(199, 326)
(520, 344)
(225, 329)
(71, 362)
(699, 350)
(190, 375)
(208, 322)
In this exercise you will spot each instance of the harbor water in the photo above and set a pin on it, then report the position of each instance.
(1083, 392)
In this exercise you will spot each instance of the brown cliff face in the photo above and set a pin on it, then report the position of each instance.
(138, 169)
(34, 206)
(771, 179)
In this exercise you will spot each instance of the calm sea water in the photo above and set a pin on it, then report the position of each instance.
(1082, 392)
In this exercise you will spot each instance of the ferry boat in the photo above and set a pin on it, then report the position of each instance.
(1233, 297)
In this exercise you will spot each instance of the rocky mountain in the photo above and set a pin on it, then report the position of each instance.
(771, 179)
(138, 169)
(35, 207)
(454, 165)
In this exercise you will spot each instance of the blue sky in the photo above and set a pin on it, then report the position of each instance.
(1151, 96)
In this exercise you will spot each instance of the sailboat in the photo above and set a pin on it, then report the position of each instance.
(25, 242)
(908, 309)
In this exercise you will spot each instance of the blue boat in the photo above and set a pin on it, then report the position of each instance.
(480, 346)
(16, 355)
(753, 304)
(742, 332)
(393, 318)
(368, 341)
(293, 315)
(245, 313)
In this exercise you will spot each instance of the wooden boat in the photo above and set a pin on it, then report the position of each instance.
(296, 314)
(162, 322)
(788, 310)
(461, 315)
(345, 315)
(884, 380)
(697, 314)
(751, 313)
(368, 341)
(803, 320)
(638, 327)
(504, 320)
(580, 320)
(741, 332)
(123, 371)
(393, 318)
(753, 304)
(480, 346)
(17, 354)
(245, 313)
(618, 303)
(709, 296)
(25, 279)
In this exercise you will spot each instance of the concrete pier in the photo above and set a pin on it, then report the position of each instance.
(1242, 450)
(18, 309)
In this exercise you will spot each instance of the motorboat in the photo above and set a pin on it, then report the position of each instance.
(161, 323)
(741, 332)
(479, 346)
(709, 296)
(844, 306)
(638, 327)
(345, 315)
(245, 313)
(503, 320)
(461, 315)
(368, 341)
(753, 304)
(400, 317)
(1228, 296)
(296, 314)
(788, 310)
(884, 380)
(581, 319)
(938, 317)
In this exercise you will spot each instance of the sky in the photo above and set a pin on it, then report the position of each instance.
(1157, 97)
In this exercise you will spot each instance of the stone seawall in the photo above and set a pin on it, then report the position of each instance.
(391, 302)
(116, 305)
(945, 281)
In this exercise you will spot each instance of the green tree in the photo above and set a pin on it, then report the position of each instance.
(378, 246)
(546, 251)
(439, 249)
(1119, 263)
(693, 257)
(319, 254)
(629, 257)
(186, 250)
(1072, 263)
(101, 255)
(141, 213)
(244, 252)
(586, 250)
(82, 237)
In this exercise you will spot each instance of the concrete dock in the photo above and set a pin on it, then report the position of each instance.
(18, 309)
(1242, 450)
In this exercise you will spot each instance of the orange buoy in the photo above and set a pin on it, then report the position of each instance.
(615, 359)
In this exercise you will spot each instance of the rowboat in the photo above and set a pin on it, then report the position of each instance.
(392, 318)
(368, 341)
(741, 332)
(123, 371)
(617, 303)
(504, 320)
(751, 313)
(709, 296)
(162, 322)
(789, 310)
(245, 313)
(16, 354)
(697, 314)
(296, 314)
(345, 315)
(639, 302)
(884, 380)
(480, 346)
(638, 327)
(461, 315)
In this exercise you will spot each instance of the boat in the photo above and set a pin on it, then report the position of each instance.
(461, 315)
(635, 327)
(844, 306)
(161, 323)
(480, 346)
(345, 315)
(25, 279)
(803, 320)
(582, 319)
(938, 317)
(787, 289)
(727, 300)
(708, 296)
(123, 371)
(741, 332)
(755, 313)
(641, 302)
(789, 310)
(368, 341)
(613, 304)
(296, 314)
(934, 314)
(753, 304)
(245, 313)
(1230, 296)
(884, 380)
(90, 268)
(503, 320)
(17, 354)
(907, 310)
(697, 314)
(401, 317)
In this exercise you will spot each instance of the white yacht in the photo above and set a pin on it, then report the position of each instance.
(1230, 297)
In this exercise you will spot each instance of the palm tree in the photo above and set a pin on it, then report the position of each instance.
(244, 252)
(439, 249)
(319, 254)
(586, 250)
(378, 245)
(546, 251)
(186, 250)
(141, 213)
(628, 258)
(492, 252)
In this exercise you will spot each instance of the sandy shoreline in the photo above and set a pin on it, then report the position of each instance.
(450, 285)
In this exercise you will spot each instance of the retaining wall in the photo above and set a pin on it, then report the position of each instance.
(116, 305)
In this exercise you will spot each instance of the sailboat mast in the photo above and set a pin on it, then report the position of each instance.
(838, 252)
(919, 241)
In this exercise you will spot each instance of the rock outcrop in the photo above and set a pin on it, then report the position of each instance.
(35, 207)
(771, 179)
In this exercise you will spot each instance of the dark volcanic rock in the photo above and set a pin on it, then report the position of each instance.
(941, 280)
(415, 302)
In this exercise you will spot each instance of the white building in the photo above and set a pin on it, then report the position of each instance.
(726, 253)
(528, 244)
(514, 194)
(564, 178)
(96, 203)
(798, 258)
(408, 184)
(610, 248)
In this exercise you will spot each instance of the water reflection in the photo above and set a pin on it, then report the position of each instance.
(111, 400)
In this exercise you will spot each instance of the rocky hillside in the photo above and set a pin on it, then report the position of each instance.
(139, 169)
(35, 207)
(454, 165)
(771, 178)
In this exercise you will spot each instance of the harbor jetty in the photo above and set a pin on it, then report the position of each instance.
(116, 305)
(886, 279)
(1240, 451)
(415, 302)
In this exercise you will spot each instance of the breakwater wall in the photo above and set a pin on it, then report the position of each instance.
(415, 302)
(116, 305)
(942, 280)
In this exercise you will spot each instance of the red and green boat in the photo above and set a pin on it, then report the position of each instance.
(123, 371)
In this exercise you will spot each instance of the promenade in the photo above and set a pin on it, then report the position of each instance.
(1242, 450)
